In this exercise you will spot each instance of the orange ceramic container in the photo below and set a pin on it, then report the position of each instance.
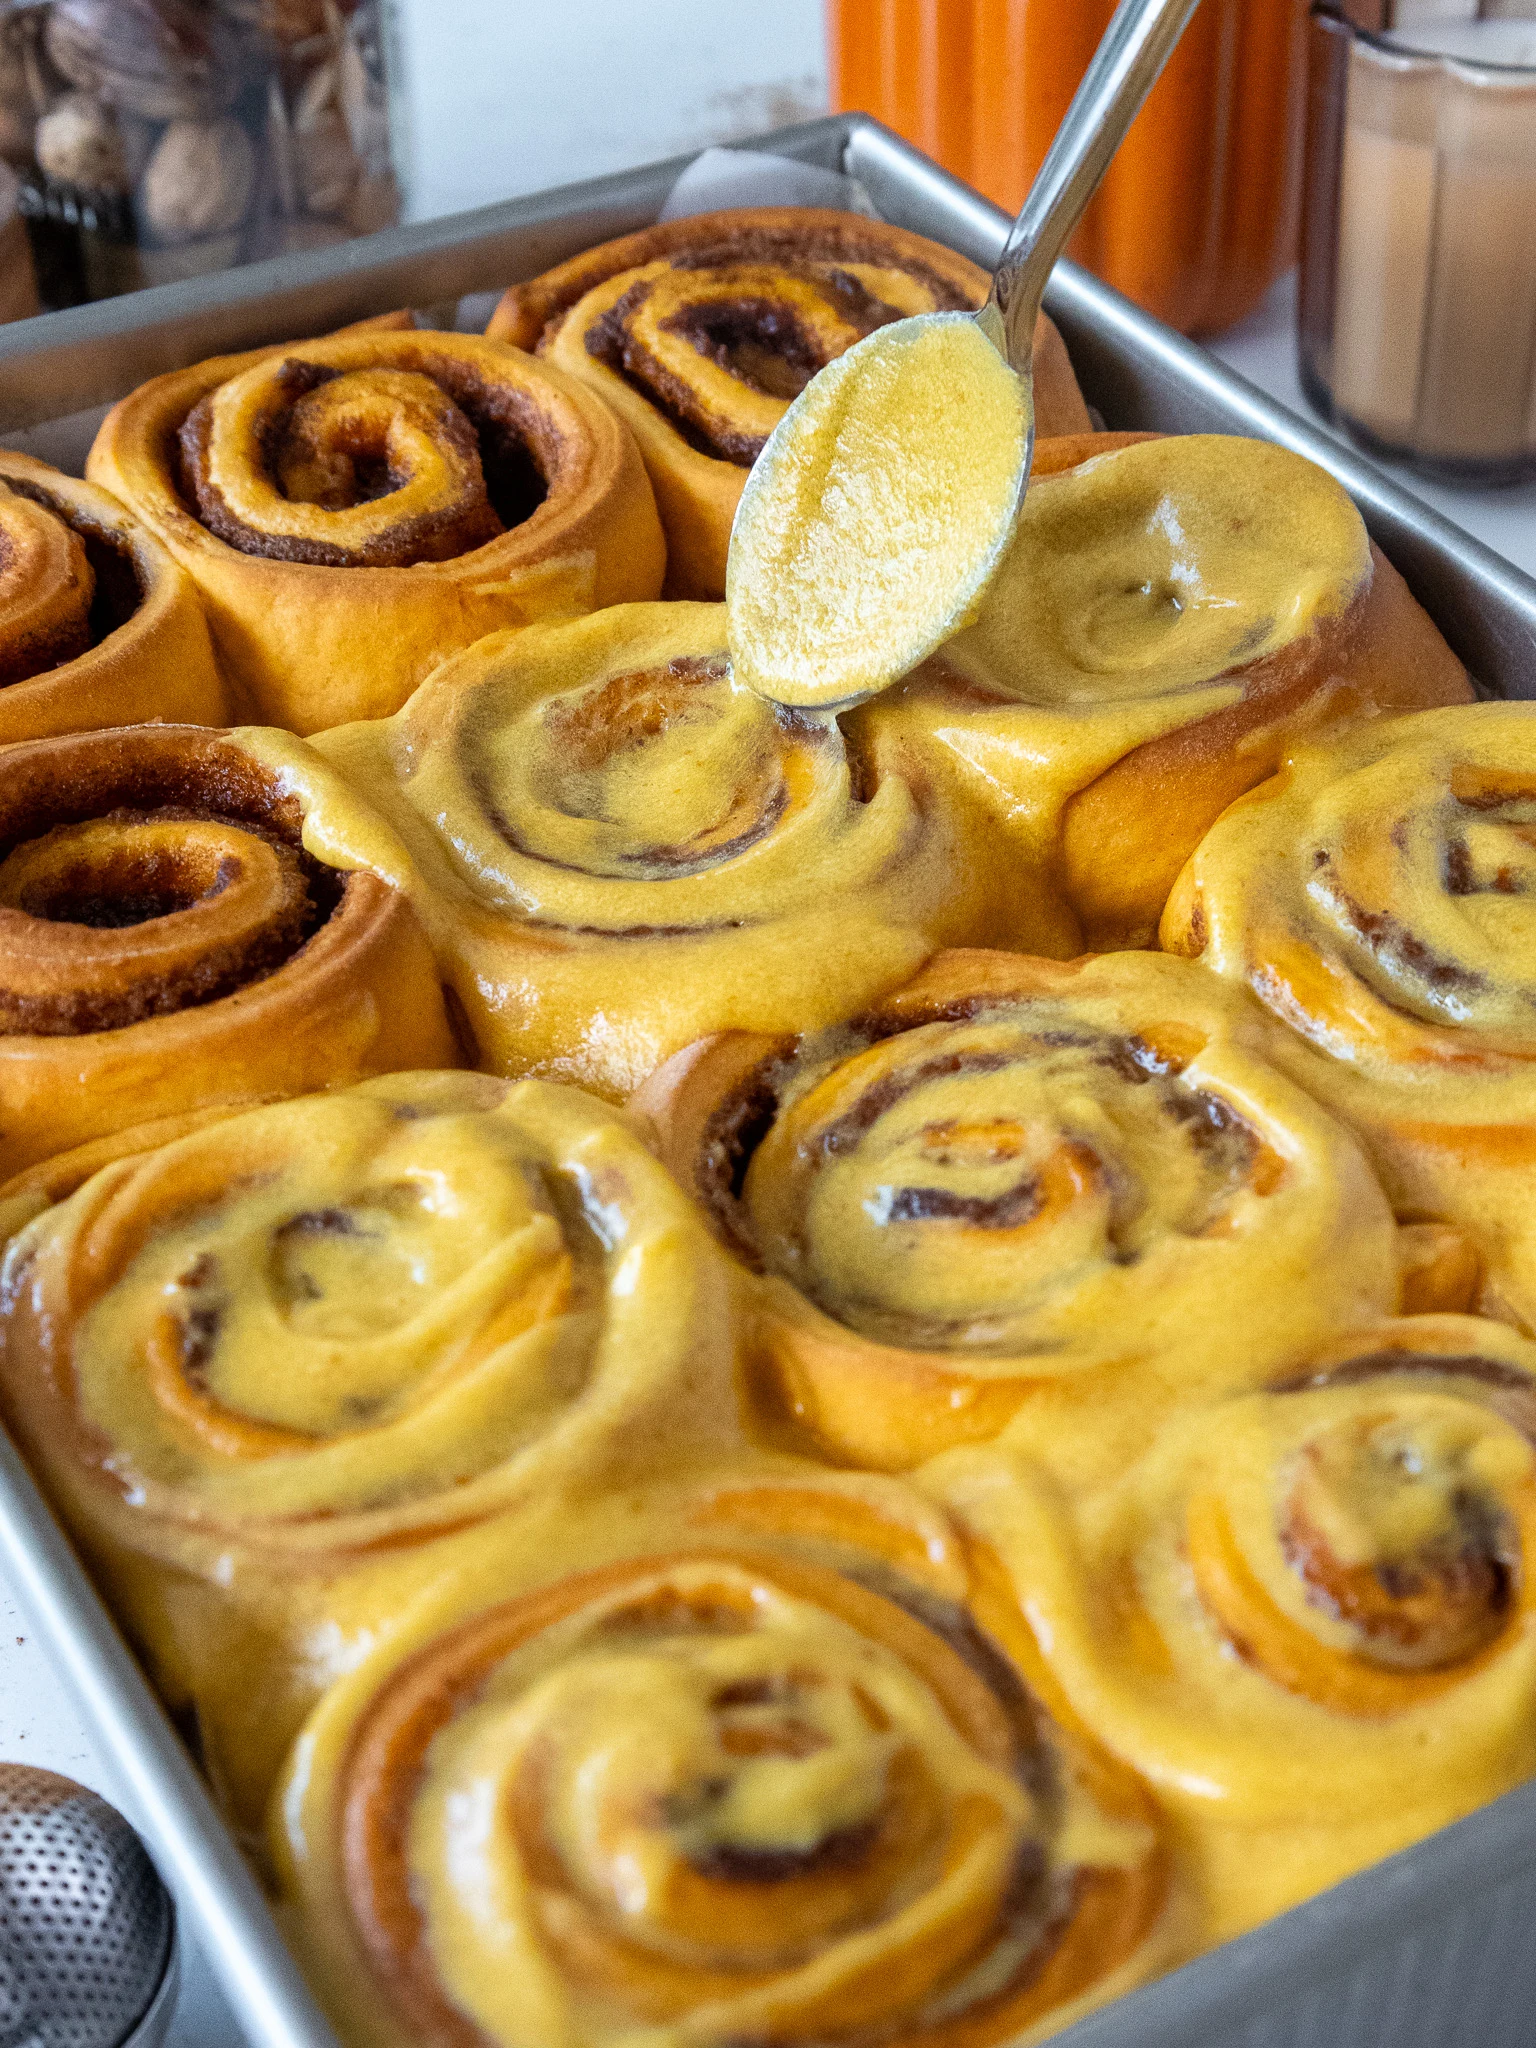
(1197, 215)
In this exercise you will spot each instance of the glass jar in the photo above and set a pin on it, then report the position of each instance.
(1418, 297)
(158, 139)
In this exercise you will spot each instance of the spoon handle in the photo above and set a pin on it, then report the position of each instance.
(1125, 67)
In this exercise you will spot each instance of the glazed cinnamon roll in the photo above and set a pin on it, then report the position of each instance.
(98, 624)
(1022, 1197)
(1172, 616)
(617, 848)
(1374, 897)
(699, 332)
(786, 1785)
(269, 1370)
(1307, 1615)
(354, 508)
(166, 941)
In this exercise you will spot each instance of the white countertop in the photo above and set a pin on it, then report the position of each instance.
(39, 1725)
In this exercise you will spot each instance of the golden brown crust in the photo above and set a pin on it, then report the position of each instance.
(700, 331)
(168, 944)
(408, 493)
(123, 638)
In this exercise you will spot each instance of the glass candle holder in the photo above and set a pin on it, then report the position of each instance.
(1418, 287)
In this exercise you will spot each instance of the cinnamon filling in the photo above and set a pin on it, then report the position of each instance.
(131, 917)
(61, 588)
(384, 466)
(142, 875)
(1420, 1604)
(779, 1813)
(940, 1188)
(768, 328)
(605, 769)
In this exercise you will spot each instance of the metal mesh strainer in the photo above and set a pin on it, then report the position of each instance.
(86, 1927)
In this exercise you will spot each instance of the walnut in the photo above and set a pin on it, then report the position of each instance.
(326, 168)
(80, 143)
(198, 182)
(158, 58)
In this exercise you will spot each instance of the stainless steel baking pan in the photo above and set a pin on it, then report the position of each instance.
(1432, 1949)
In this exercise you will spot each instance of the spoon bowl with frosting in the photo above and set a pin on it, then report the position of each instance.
(887, 495)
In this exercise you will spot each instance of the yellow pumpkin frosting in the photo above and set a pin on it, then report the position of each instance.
(617, 847)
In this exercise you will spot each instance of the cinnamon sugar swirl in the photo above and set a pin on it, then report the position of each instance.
(355, 508)
(166, 942)
(1376, 897)
(617, 847)
(1306, 1614)
(751, 1762)
(99, 626)
(273, 1369)
(1022, 1198)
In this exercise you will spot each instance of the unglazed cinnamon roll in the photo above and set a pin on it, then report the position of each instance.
(270, 1369)
(167, 942)
(616, 848)
(1307, 1615)
(1052, 1200)
(782, 1785)
(1172, 616)
(355, 508)
(1376, 898)
(699, 332)
(98, 624)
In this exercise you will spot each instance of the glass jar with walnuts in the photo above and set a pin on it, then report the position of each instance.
(157, 139)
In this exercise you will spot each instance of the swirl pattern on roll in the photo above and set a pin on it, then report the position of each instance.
(98, 624)
(700, 333)
(1376, 898)
(166, 941)
(310, 1340)
(441, 480)
(1172, 613)
(730, 1790)
(617, 847)
(1306, 1614)
(1027, 1197)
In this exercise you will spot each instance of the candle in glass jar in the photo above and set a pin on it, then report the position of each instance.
(1434, 341)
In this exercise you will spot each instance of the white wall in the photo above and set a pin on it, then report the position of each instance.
(498, 97)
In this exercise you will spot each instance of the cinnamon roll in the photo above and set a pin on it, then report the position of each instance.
(271, 1369)
(699, 332)
(1172, 615)
(1373, 897)
(774, 1783)
(617, 848)
(354, 508)
(1307, 1615)
(98, 624)
(166, 941)
(1023, 1197)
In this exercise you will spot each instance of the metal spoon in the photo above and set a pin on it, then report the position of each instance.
(887, 495)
